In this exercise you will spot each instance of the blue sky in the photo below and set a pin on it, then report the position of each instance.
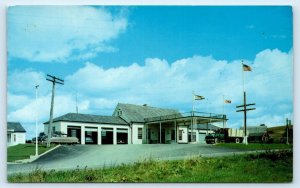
(150, 54)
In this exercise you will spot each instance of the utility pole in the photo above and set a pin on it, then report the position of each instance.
(36, 121)
(76, 104)
(287, 131)
(245, 115)
(54, 81)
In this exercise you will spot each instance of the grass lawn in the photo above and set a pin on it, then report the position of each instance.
(23, 151)
(253, 168)
(255, 146)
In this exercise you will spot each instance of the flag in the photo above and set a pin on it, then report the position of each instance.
(227, 101)
(198, 97)
(246, 67)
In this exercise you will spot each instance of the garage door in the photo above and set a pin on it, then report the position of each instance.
(202, 137)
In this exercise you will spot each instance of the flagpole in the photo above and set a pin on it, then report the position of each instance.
(243, 77)
(223, 112)
(193, 96)
(192, 116)
(223, 104)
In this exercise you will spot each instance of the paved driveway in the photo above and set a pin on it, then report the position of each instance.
(95, 156)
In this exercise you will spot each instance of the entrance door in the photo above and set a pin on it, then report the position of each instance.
(163, 136)
(202, 138)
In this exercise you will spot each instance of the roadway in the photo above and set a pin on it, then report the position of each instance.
(97, 156)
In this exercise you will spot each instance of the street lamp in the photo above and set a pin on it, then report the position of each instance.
(36, 121)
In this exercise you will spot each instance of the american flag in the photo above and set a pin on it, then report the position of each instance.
(246, 67)
(227, 101)
(198, 97)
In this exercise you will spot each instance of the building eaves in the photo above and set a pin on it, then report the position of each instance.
(87, 118)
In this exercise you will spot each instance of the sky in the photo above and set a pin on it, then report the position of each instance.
(155, 55)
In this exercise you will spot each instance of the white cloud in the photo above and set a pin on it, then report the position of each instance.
(63, 104)
(170, 84)
(24, 81)
(268, 119)
(162, 83)
(16, 101)
(54, 33)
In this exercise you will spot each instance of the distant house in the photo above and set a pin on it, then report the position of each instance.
(15, 134)
(137, 124)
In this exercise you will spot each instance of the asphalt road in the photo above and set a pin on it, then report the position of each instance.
(95, 156)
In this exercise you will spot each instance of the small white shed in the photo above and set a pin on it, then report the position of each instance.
(16, 134)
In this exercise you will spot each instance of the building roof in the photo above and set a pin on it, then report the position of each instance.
(15, 127)
(204, 127)
(138, 113)
(256, 129)
(87, 118)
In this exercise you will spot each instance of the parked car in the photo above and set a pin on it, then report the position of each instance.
(41, 138)
(121, 141)
(64, 140)
(89, 140)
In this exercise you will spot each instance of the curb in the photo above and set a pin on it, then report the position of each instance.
(32, 157)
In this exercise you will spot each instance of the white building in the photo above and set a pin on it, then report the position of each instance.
(137, 124)
(16, 134)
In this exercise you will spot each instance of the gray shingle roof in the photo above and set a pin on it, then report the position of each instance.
(15, 126)
(204, 127)
(137, 113)
(87, 118)
(255, 129)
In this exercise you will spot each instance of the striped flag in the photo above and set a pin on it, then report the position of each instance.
(246, 67)
(198, 97)
(227, 101)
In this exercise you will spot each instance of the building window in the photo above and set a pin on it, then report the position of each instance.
(73, 132)
(180, 134)
(15, 138)
(140, 133)
(119, 112)
(8, 138)
(53, 130)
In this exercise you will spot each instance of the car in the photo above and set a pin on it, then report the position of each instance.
(41, 138)
(89, 140)
(121, 141)
(64, 140)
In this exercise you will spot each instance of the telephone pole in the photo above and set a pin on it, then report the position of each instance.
(288, 123)
(54, 81)
(76, 104)
(245, 115)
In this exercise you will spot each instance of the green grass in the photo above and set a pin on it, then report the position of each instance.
(255, 168)
(23, 151)
(255, 146)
